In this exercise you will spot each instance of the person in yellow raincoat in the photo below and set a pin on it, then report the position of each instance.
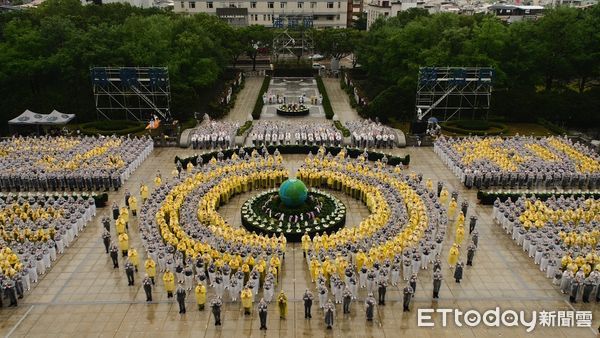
(157, 179)
(150, 266)
(134, 258)
(169, 281)
(124, 244)
(144, 192)
(452, 209)
(247, 299)
(460, 234)
(120, 226)
(133, 206)
(200, 296)
(305, 244)
(453, 255)
(282, 304)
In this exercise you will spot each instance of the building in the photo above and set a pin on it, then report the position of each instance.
(386, 8)
(270, 13)
(512, 13)
(355, 8)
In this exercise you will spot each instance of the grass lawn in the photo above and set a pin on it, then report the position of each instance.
(515, 128)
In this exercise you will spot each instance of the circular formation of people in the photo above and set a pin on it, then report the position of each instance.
(520, 162)
(188, 248)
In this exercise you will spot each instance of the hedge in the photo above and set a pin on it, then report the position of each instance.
(342, 128)
(326, 103)
(488, 198)
(552, 127)
(470, 127)
(241, 130)
(258, 106)
(295, 149)
(110, 127)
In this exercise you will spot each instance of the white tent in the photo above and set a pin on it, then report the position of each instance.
(56, 118)
(30, 118)
(27, 118)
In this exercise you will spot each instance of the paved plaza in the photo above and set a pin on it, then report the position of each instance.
(82, 295)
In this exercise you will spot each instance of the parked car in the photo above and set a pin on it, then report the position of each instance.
(318, 66)
(316, 57)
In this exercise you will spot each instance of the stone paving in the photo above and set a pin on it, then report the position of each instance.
(82, 296)
(340, 101)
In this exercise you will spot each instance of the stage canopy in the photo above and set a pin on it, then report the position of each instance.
(53, 119)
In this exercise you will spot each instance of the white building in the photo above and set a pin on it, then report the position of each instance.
(386, 8)
(270, 13)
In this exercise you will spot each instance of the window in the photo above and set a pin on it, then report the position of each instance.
(283, 4)
(300, 4)
(209, 4)
(270, 4)
(264, 17)
(339, 4)
(330, 5)
(192, 4)
(330, 17)
(313, 5)
(182, 4)
(253, 4)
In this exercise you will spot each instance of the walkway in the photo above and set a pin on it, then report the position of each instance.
(246, 98)
(340, 101)
(82, 296)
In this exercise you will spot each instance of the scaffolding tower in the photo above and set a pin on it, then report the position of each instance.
(295, 40)
(451, 91)
(137, 92)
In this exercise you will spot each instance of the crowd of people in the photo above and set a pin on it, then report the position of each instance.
(34, 231)
(561, 235)
(211, 134)
(70, 163)
(371, 134)
(304, 133)
(520, 162)
(192, 246)
(403, 234)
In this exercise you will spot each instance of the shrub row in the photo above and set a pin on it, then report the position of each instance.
(110, 127)
(296, 149)
(241, 130)
(470, 127)
(326, 103)
(342, 128)
(258, 106)
(552, 127)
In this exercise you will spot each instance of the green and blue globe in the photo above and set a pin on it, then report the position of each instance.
(293, 193)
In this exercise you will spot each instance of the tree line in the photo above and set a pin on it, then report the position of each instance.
(548, 68)
(46, 54)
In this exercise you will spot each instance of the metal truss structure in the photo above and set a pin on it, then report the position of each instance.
(454, 90)
(296, 42)
(136, 92)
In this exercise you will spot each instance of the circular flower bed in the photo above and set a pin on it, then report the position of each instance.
(293, 109)
(266, 214)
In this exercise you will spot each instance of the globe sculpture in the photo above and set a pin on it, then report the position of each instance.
(293, 193)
